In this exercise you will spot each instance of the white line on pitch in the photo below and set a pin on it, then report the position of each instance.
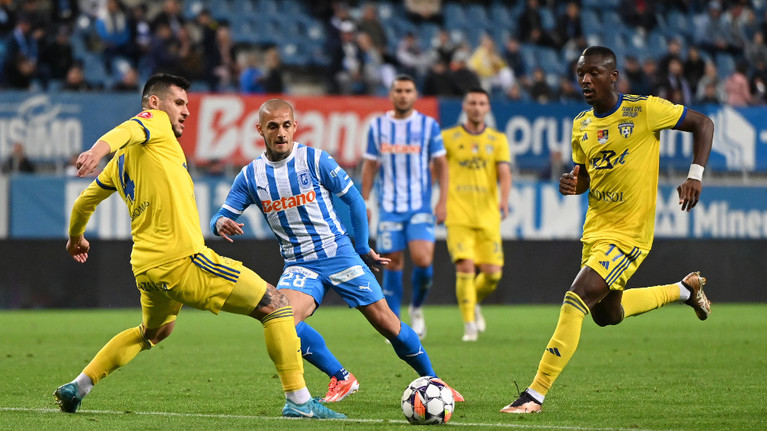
(381, 421)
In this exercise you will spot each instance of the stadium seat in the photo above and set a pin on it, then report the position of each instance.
(725, 63)
(677, 25)
(500, 15)
(477, 16)
(590, 23)
(549, 61)
(548, 20)
(294, 54)
(455, 18)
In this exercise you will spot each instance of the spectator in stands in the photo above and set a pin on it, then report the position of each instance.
(377, 73)
(128, 81)
(737, 88)
(250, 73)
(419, 11)
(759, 83)
(567, 92)
(64, 12)
(347, 64)
(171, 15)
(694, 66)
(756, 50)
(710, 87)
(675, 86)
(411, 57)
(18, 161)
(75, 80)
(462, 77)
(211, 56)
(225, 71)
(21, 56)
(163, 56)
(530, 26)
(569, 29)
(738, 22)
(340, 14)
(57, 56)
(443, 47)
(190, 54)
(113, 29)
(273, 81)
(7, 18)
(540, 90)
(673, 52)
(439, 82)
(494, 74)
(512, 54)
(711, 34)
(370, 24)
(632, 72)
(639, 13)
(140, 32)
(651, 78)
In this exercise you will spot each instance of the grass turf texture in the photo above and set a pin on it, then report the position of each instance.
(662, 371)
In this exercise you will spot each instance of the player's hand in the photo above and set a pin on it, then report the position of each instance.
(226, 227)
(87, 163)
(78, 248)
(689, 193)
(504, 208)
(440, 211)
(374, 261)
(568, 182)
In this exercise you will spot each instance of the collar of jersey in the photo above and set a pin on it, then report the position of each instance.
(282, 162)
(615, 108)
(393, 118)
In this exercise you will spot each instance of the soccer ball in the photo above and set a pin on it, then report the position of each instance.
(427, 401)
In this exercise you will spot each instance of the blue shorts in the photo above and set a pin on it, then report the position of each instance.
(347, 275)
(395, 230)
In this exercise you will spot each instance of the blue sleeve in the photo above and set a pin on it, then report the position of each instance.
(338, 182)
(236, 202)
(359, 217)
(436, 146)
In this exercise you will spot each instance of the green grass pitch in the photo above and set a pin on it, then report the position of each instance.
(661, 371)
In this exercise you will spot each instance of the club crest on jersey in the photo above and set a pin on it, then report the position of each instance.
(474, 148)
(144, 114)
(303, 180)
(626, 128)
(602, 136)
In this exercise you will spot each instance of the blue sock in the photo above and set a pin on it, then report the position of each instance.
(409, 349)
(421, 280)
(314, 350)
(392, 289)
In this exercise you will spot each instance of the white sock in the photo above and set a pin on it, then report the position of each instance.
(470, 328)
(84, 385)
(300, 396)
(684, 293)
(538, 397)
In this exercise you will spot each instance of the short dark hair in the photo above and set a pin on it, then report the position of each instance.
(477, 90)
(601, 51)
(404, 77)
(160, 83)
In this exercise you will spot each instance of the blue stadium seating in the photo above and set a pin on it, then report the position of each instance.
(725, 64)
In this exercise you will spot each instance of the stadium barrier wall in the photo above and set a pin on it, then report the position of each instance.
(222, 127)
(40, 274)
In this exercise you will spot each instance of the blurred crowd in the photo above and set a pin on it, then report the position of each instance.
(88, 45)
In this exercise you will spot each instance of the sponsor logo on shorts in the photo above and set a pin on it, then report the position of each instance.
(346, 275)
(308, 273)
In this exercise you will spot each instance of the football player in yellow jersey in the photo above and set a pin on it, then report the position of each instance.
(478, 162)
(616, 153)
(170, 261)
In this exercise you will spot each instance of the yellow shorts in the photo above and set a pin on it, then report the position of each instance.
(478, 245)
(616, 264)
(205, 281)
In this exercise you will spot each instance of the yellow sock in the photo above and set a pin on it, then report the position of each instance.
(117, 352)
(644, 299)
(562, 344)
(467, 295)
(284, 348)
(486, 284)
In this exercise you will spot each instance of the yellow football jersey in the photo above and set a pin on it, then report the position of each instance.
(621, 151)
(150, 174)
(472, 198)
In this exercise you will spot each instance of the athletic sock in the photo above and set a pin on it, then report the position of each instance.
(84, 384)
(392, 289)
(284, 348)
(421, 280)
(562, 344)
(486, 284)
(342, 374)
(644, 299)
(120, 350)
(466, 293)
(684, 292)
(409, 349)
(315, 351)
(299, 396)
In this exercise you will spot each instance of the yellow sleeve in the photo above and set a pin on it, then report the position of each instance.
(86, 204)
(127, 133)
(662, 114)
(503, 153)
(579, 157)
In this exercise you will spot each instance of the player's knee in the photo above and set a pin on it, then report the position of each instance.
(272, 300)
(605, 319)
(155, 335)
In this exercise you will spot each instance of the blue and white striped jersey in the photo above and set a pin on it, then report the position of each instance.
(294, 197)
(404, 148)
